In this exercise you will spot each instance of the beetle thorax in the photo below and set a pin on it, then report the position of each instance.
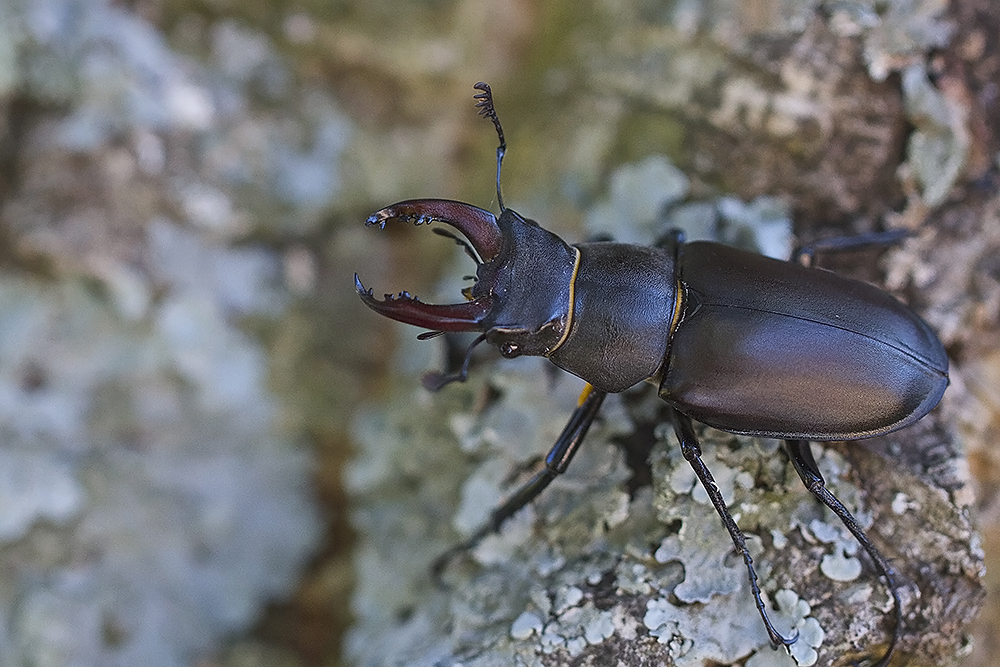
(623, 307)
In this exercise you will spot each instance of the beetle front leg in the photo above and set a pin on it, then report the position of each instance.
(692, 454)
(805, 465)
(556, 462)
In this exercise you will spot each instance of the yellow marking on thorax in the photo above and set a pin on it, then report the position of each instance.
(572, 303)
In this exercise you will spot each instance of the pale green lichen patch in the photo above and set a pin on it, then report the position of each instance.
(724, 632)
(706, 572)
(534, 584)
(839, 566)
(525, 625)
(638, 194)
(901, 503)
(576, 627)
(793, 612)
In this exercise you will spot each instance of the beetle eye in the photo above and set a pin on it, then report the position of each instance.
(510, 349)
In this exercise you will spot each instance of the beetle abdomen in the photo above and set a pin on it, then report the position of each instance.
(776, 349)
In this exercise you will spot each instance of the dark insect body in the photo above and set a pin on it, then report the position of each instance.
(734, 340)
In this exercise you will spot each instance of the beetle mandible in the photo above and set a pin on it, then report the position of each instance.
(737, 341)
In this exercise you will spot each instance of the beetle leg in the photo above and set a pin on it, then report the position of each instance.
(556, 462)
(805, 465)
(692, 454)
(437, 380)
(806, 255)
(671, 240)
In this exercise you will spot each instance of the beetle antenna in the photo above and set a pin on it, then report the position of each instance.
(487, 110)
(433, 381)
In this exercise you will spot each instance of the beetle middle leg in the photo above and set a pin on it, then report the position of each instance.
(805, 465)
(556, 462)
(692, 454)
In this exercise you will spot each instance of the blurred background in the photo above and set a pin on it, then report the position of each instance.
(183, 186)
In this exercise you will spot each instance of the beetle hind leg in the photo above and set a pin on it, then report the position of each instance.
(805, 465)
(806, 255)
(692, 454)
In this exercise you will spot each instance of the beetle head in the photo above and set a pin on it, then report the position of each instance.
(521, 299)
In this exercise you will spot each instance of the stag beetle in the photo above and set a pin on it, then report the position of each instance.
(735, 340)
